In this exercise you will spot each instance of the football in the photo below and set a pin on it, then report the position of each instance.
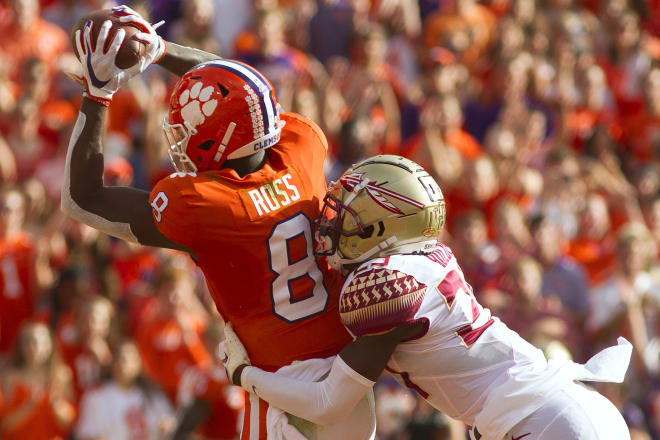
(131, 49)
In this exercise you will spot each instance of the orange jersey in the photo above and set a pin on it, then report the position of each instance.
(252, 238)
(85, 367)
(16, 288)
(226, 401)
(39, 423)
(168, 350)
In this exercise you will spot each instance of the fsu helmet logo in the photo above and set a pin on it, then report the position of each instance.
(377, 193)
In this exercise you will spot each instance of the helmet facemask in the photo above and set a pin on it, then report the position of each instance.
(178, 136)
(328, 228)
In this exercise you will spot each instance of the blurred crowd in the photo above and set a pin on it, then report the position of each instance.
(540, 120)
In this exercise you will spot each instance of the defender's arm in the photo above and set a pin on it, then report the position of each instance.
(379, 306)
(353, 373)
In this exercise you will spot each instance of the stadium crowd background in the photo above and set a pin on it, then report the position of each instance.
(539, 119)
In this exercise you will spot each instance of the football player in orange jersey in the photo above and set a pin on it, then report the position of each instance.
(249, 181)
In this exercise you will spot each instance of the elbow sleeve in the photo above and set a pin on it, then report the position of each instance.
(324, 403)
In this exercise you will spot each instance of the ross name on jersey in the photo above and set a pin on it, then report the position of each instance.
(272, 196)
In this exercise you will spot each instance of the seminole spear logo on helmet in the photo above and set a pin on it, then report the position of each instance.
(377, 193)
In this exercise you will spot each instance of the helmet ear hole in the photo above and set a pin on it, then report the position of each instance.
(368, 232)
(223, 90)
(206, 145)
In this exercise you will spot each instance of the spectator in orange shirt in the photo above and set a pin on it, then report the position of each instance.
(462, 25)
(31, 36)
(594, 247)
(56, 113)
(479, 188)
(447, 119)
(628, 63)
(595, 108)
(85, 349)
(18, 287)
(171, 341)
(442, 146)
(642, 130)
(212, 406)
(36, 390)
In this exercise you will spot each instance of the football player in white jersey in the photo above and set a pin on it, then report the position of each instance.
(412, 313)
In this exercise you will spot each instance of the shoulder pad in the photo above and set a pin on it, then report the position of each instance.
(379, 300)
(174, 201)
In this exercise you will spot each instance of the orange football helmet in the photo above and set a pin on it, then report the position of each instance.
(219, 110)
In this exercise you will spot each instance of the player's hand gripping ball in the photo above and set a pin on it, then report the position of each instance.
(131, 49)
(108, 62)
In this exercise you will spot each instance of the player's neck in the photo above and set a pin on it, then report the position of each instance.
(248, 164)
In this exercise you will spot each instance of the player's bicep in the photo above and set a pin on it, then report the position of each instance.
(131, 206)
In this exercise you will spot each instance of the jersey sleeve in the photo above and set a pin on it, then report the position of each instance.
(379, 300)
(174, 202)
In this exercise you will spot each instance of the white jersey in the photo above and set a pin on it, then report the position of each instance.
(464, 353)
(467, 363)
(111, 412)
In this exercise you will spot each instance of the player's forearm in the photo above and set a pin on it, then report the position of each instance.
(180, 59)
(325, 402)
(83, 174)
(85, 155)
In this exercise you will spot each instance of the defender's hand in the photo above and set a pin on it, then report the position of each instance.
(156, 46)
(233, 354)
(101, 77)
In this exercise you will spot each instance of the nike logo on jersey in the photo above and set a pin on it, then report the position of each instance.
(522, 436)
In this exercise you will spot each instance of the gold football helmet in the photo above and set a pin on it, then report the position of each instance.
(381, 206)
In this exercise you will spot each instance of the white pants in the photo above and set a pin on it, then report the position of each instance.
(575, 413)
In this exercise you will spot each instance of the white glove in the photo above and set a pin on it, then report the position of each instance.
(232, 352)
(101, 77)
(156, 46)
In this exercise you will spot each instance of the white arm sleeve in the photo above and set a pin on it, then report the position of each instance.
(324, 403)
(70, 207)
